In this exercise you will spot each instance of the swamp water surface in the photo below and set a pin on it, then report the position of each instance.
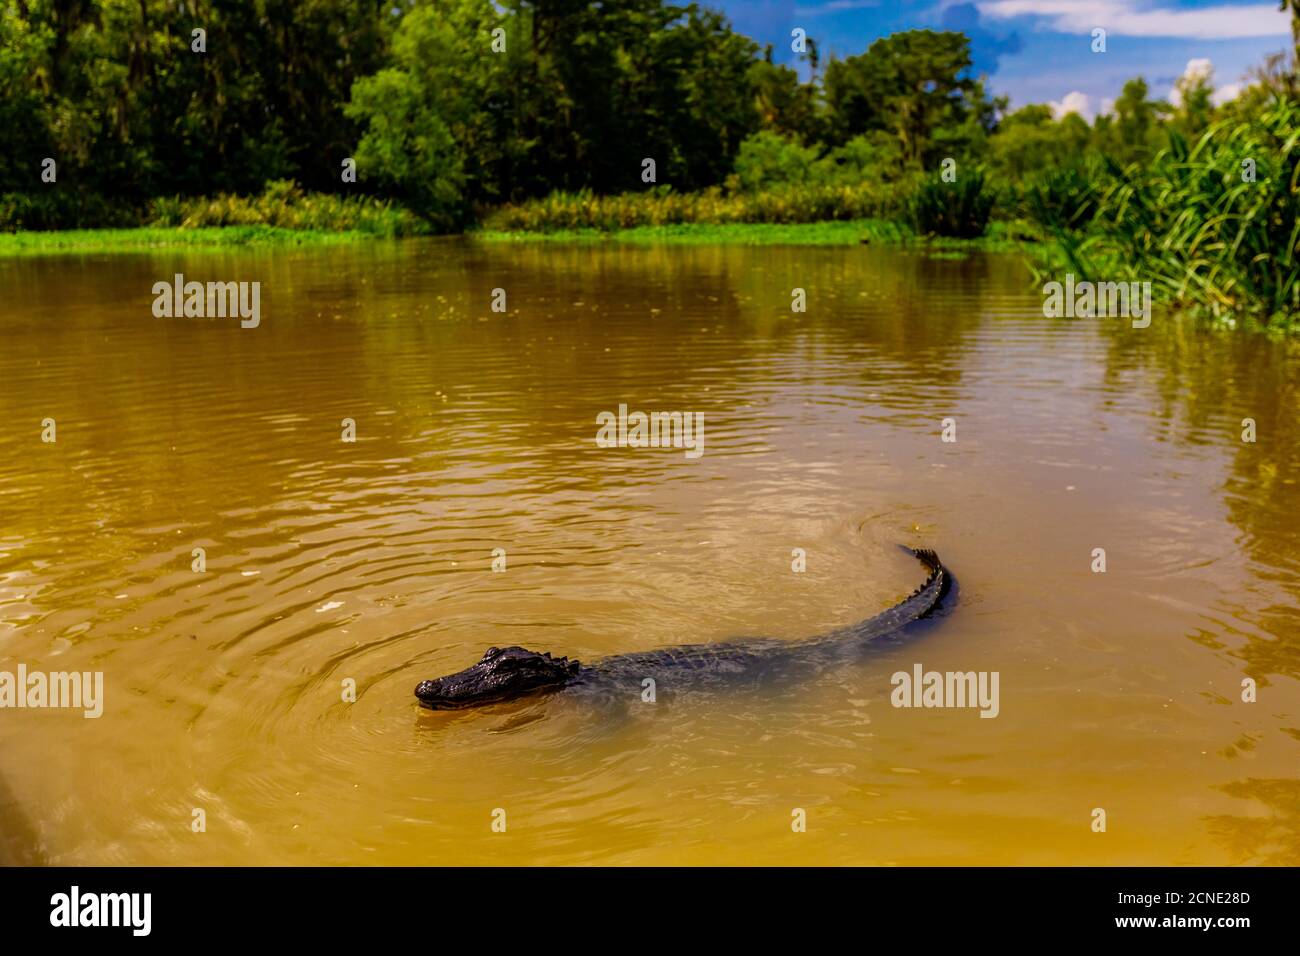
(372, 561)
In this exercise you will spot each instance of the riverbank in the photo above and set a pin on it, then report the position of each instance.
(163, 237)
(1001, 237)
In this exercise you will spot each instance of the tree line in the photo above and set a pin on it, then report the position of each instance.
(455, 106)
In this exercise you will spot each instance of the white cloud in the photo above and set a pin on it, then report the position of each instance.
(1073, 102)
(1197, 70)
(1202, 69)
(834, 6)
(1144, 19)
(1225, 94)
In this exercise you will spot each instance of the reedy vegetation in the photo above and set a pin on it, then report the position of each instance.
(663, 207)
(1188, 222)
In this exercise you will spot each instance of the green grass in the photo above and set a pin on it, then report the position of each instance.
(162, 237)
(1001, 237)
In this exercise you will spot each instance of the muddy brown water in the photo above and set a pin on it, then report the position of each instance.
(371, 561)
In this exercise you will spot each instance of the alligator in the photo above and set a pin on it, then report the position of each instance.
(509, 673)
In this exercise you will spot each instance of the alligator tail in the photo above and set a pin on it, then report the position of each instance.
(922, 602)
(936, 586)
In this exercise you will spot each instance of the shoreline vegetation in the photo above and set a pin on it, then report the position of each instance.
(143, 238)
(853, 232)
(352, 123)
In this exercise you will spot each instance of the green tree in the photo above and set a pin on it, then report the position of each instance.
(915, 84)
(580, 96)
(113, 90)
(1030, 140)
(767, 159)
(1135, 131)
(1194, 109)
(409, 147)
(24, 77)
(785, 106)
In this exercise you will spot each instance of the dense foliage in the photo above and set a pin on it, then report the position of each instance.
(112, 90)
(542, 114)
(959, 208)
(1190, 223)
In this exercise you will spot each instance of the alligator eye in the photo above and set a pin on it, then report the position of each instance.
(490, 652)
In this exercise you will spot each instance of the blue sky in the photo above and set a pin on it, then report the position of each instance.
(1039, 51)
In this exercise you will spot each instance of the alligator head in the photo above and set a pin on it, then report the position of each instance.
(504, 673)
